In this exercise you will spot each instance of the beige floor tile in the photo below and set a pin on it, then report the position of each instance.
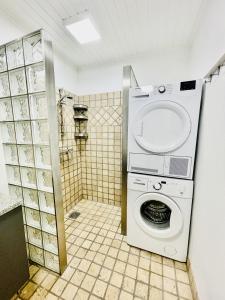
(131, 271)
(84, 265)
(141, 290)
(82, 295)
(156, 280)
(157, 258)
(156, 268)
(28, 290)
(50, 296)
(75, 262)
(88, 283)
(168, 272)
(167, 296)
(103, 249)
(99, 258)
(144, 263)
(119, 266)
(125, 296)
(69, 292)
(143, 276)
(39, 294)
(168, 262)
(33, 270)
(133, 259)
(182, 276)
(81, 253)
(109, 262)
(116, 279)
(94, 270)
(99, 288)
(87, 244)
(68, 273)
(122, 255)
(128, 284)
(184, 290)
(180, 265)
(169, 285)
(40, 276)
(113, 252)
(58, 287)
(48, 282)
(112, 293)
(105, 274)
(155, 294)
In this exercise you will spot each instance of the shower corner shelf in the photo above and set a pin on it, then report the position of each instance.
(81, 135)
(80, 119)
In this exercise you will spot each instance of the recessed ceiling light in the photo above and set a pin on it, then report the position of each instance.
(83, 31)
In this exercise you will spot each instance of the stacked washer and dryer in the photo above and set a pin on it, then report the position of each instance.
(162, 135)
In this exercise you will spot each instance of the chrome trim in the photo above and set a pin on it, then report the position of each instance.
(54, 148)
(129, 80)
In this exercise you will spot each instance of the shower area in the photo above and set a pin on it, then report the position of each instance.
(63, 152)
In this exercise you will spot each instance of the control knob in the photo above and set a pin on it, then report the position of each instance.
(161, 89)
(157, 186)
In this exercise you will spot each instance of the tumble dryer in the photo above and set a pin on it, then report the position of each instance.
(158, 214)
(162, 129)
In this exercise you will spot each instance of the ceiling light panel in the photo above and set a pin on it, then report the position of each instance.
(84, 31)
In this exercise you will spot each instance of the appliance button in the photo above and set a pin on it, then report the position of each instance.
(161, 89)
(157, 186)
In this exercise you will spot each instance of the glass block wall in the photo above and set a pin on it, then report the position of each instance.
(27, 117)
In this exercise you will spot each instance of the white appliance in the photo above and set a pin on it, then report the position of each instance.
(162, 129)
(158, 214)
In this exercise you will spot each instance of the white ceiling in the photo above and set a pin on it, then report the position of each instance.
(127, 27)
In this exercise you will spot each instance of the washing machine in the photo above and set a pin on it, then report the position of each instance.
(162, 129)
(158, 214)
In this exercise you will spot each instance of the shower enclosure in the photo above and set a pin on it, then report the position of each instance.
(29, 132)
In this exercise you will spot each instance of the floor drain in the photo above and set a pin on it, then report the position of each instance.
(74, 215)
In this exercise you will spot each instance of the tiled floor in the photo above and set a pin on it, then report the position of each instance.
(103, 266)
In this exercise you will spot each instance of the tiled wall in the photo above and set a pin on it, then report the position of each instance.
(101, 153)
(92, 170)
(70, 157)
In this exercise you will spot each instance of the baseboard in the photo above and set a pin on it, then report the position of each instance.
(192, 281)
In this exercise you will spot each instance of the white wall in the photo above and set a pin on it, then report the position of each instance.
(209, 41)
(165, 66)
(207, 239)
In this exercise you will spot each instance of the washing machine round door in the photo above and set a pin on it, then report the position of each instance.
(161, 126)
(158, 215)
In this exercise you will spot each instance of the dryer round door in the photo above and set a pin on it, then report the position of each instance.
(158, 215)
(161, 126)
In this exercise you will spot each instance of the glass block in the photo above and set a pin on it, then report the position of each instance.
(50, 242)
(46, 201)
(36, 254)
(40, 132)
(44, 180)
(14, 53)
(20, 108)
(6, 110)
(48, 223)
(33, 49)
(8, 133)
(52, 261)
(34, 236)
(13, 175)
(42, 157)
(38, 106)
(26, 155)
(28, 177)
(23, 132)
(36, 78)
(15, 193)
(3, 64)
(4, 85)
(10, 154)
(30, 198)
(33, 218)
(18, 82)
